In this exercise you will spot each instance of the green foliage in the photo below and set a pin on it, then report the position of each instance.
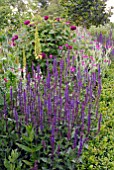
(13, 163)
(50, 34)
(87, 12)
(54, 9)
(100, 152)
(105, 30)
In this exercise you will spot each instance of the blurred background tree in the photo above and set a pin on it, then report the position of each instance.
(81, 12)
(87, 12)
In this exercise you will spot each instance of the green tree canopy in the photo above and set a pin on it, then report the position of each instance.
(87, 12)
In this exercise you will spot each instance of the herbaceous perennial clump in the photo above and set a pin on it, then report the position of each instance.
(64, 106)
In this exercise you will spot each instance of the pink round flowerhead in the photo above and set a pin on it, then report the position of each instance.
(46, 17)
(27, 22)
(66, 45)
(70, 47)
(72, 69)
(58, 19)
(13, 44)
(60, 47)
(84, 56)
(15, 37)
(73, 27)
(83, 63)
(50, 56)
(67, 23)
(5, 79)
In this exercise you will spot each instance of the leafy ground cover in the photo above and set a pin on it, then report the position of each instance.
(100, 152)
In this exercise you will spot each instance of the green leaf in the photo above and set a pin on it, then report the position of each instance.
(6, 163)
(28, 149)
(25, 148)
(52, 32)
(44, 160)
(14, 156)
(27, 162)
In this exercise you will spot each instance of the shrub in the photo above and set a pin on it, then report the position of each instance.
(99, 154)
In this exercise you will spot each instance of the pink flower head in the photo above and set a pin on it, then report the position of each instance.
(106, 61)
(66, 45)
(83, 63)
(50, 56)
(20, 69)
(110, 47)
(94, 65)
(58, 19)
(83, 37)
(70, 47)
(15, 37)
(13, 44)
(27, 22)
(60, 47)
(84, 56)
(46, 17)
(74, 40)
(72, 69)
(98, 46)
(81, 51)
(37, 77)
(91, 57)
(67, 23)
(73, 27)
(5, 79)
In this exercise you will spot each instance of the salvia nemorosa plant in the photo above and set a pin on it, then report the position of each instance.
(63, 107)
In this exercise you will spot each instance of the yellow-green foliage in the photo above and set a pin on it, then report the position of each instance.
(100, 152)
(105, 30)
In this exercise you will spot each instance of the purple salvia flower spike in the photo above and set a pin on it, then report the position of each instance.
(80, 145)
(16, 117)
(75, 138)
(89, 118)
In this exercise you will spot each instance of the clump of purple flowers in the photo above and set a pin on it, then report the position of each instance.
(64, 104)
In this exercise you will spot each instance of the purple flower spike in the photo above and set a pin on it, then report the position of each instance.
(11, 95)
(75, 138)
(89, 118)
(15, 116)
(35, 166)
(100, 38)
(80, 145)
